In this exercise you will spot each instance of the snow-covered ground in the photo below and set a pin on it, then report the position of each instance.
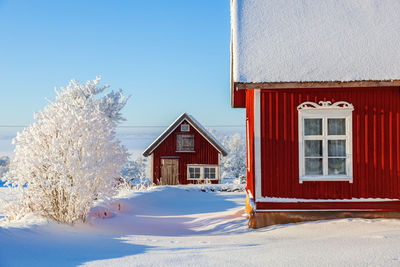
(183, 226)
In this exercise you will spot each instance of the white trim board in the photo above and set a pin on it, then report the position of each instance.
(257, 144)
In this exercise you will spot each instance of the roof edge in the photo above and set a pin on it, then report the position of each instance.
(316, 84)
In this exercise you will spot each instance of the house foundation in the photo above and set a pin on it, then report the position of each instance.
(259, 219)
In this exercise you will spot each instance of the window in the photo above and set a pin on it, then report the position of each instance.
(184, 143)
(325, 141)
(185, 128)
(200, 172)
(194, 173)
(209, 172)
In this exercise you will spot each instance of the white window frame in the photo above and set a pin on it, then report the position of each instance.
(202, 166)
(326, 110)
(185, 127)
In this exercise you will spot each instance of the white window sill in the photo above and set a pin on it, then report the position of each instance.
(185, 151)
(342, 178)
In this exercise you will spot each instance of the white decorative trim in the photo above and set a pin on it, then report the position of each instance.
(325, 105)
(257, 144)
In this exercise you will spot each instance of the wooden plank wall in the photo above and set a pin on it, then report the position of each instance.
(376, 143)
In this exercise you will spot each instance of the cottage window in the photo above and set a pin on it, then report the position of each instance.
(185, 128)
(325, 141)
(194, 172)
(201, 172)
(185, 143)
(209, 172)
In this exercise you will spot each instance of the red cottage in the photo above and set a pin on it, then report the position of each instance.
(185, 153)
(320, 84)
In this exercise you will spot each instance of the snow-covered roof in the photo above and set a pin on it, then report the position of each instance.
(300, 41)
(196, 125)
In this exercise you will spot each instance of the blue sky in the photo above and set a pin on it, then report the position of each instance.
(171, 56)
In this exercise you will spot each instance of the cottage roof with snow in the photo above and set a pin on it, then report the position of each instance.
(196, 125)
(304, 41)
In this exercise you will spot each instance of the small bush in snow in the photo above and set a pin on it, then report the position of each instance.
(223, 188)
(69, 157)
(135, 184)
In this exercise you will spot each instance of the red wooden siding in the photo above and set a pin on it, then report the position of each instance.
(204, 153)
(250, 140)
(376, 143)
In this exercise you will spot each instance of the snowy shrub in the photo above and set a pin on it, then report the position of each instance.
(135, 184)
(233, 166)
(134, 175)
(69, 157)
(222, 187)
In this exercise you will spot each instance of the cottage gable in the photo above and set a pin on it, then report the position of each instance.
(184, 142)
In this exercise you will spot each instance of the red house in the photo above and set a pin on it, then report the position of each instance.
(185, 153)
(320, 82)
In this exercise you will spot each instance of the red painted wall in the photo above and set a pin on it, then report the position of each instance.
(250, 140)
(204, 153)
(376, 143)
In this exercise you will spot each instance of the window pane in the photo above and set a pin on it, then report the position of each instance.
(313, 148)
(209, 173)
(212, 173)
(313, 166)
(185, 142)
(336, 126)
(336, 166)
(312, 126)
(206, 173)
(194, 173)
(336, 148)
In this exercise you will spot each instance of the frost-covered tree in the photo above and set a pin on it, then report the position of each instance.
(70, 157)
(4, 163)
(234, 164)
(135, 174)
(135, 169)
